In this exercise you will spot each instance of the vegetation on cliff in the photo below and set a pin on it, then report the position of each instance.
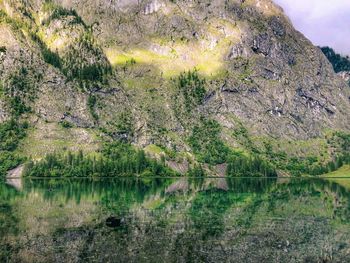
(339, 62)
(11, 132)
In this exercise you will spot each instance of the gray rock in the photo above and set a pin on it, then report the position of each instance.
(345, 75)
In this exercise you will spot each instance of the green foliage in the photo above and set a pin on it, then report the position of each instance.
(117, 159)
(206, 143)
(245, 75)
(90, 72)
(258, 24)
(16, 25)
(2, 91)
(18, 90)
(76, 65)
(192, 88)
(91, 103)
(208, 210)
(295, 166)
(299, 166)
(252, 166)
(339, 62)
(57, 12)
(11, 132)
(124, 124)
(66, 124)
(241, 134)
(8, 221)
(17, 106)
(313, 165)
(342, 140)
(131, 62)
(49, 56)
(121, 128)
(196, 171)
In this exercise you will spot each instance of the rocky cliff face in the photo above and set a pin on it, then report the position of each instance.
(345, 75)
(115, 66)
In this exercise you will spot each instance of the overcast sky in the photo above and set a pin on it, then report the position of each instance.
(325, 22)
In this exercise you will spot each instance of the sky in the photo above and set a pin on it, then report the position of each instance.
(324, 22)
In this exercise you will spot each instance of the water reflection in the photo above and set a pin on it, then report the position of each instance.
(175, 220)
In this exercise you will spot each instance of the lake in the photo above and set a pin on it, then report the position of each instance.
(175, 220)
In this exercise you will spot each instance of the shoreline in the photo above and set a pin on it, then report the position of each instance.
(177, 177)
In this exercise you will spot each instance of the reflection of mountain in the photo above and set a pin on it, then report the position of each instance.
(178, 220)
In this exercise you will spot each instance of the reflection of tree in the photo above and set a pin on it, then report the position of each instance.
(210, 206)
(208, 209)
(8, 221)
(196, 220)
(332, 194)
(112, 194)
(250, 185)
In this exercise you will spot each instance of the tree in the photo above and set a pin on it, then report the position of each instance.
(339, 62)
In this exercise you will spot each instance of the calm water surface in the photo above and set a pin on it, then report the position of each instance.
(175, 220)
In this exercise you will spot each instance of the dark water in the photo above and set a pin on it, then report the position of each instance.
(175, 220)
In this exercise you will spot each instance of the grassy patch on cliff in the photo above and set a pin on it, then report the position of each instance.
(172, 57)
(169, 65)
(154, 150)
(48, 138)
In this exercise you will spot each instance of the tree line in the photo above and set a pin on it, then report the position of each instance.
(116, 159)
(252, 166)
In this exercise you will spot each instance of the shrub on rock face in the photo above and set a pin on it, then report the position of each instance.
(192, 87)
(19, 90)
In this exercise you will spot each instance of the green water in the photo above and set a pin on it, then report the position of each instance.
(174, 220)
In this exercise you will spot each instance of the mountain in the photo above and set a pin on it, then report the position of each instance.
(195, 80)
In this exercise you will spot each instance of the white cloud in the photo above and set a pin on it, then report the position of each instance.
(324, 22)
